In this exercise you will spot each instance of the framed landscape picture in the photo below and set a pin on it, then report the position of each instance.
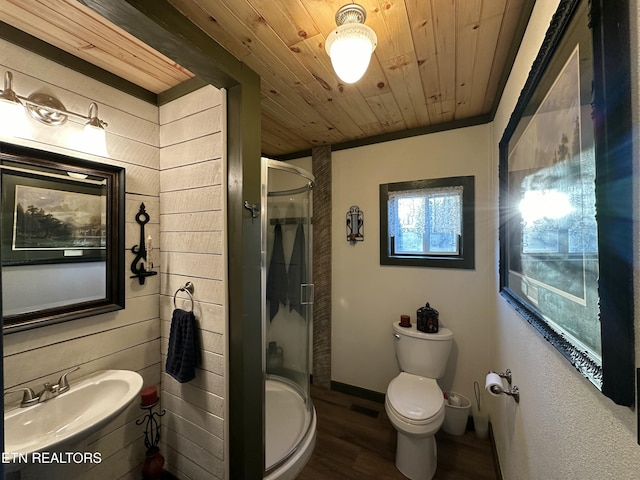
(49, 219)
(566, 249)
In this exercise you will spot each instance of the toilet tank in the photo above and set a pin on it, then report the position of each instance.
(420, 353)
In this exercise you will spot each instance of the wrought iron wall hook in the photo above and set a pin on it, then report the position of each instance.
(140, 250)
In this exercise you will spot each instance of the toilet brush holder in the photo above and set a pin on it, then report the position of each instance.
(480, 424)
(480, 418)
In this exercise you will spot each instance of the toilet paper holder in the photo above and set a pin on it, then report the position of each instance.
(506, 375)
(512, 391)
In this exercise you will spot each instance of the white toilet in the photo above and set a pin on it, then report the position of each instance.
(414, 402)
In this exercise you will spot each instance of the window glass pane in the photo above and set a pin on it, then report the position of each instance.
(425, 221)
(410, 225)
(445, 215)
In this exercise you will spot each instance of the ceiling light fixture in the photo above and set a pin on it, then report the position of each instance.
(50, 111)
(351, 44)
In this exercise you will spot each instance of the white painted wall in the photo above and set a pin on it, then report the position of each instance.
(368, 297)
(193, 248)
(127, 339)
(563, 427)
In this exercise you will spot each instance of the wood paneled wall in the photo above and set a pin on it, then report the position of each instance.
(127, 339)
(193, 246)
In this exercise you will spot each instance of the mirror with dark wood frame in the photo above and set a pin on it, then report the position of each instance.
(61, 237)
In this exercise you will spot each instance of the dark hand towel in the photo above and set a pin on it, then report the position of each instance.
(184, 349)
(297, 272)
(277, 275)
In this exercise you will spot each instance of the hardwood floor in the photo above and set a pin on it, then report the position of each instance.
(355, 440)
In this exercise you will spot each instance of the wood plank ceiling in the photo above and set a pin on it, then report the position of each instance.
(437, 61)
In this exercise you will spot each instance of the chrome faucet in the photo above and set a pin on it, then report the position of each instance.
(63, 383)
(28, 398)
(48, 391)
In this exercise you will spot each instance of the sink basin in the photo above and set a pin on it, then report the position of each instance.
(89, 404)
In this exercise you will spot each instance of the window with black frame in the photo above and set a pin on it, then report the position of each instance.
(428, 223)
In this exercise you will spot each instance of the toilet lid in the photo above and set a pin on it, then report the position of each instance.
(414, 397)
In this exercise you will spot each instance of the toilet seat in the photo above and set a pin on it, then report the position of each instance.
(416, 400)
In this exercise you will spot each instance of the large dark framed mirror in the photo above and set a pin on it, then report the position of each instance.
(566, 195)
(61, 237)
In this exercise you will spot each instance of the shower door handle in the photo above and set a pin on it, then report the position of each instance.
(253, 208)
(307, 293)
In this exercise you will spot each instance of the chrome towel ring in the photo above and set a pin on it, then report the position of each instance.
(188, 288)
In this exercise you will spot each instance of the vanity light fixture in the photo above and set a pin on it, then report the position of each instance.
(50, 111)
(351, 44)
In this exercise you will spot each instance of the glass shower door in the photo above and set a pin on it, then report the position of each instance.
(287, 311)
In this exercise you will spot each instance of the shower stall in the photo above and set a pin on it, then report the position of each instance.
(287, 312)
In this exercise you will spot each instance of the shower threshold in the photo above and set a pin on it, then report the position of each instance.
(289, 429)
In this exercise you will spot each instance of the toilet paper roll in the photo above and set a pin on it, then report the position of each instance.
(493, 384)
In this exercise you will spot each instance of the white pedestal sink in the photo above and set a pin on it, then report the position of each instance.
(69, 418)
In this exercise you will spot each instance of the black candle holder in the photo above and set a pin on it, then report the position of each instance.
(152, 427)
(140, 272)
(154, 461)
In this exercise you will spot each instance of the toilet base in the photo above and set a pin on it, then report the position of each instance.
(417, 457)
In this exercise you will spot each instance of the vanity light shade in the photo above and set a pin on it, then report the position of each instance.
(94, 140)
(13, 122)
(11, 118)
(94, 136)
(351, 44)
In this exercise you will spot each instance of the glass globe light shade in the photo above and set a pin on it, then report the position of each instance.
(94, 140)
(350, 47)
(94, 137)
(13, 122)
